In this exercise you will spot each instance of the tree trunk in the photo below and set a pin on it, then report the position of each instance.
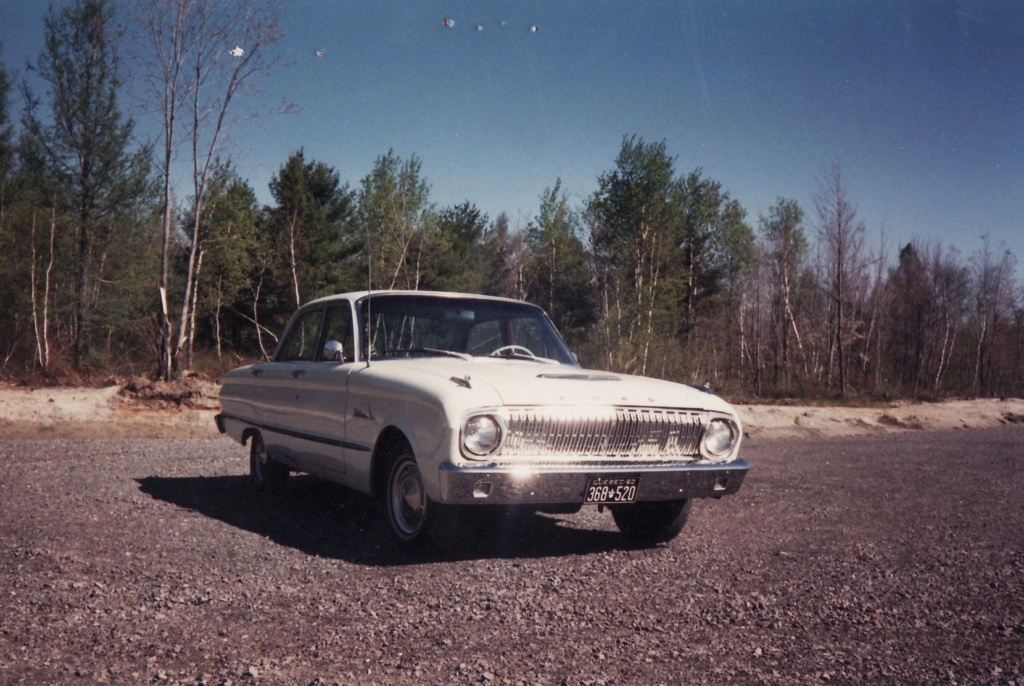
(292, 256)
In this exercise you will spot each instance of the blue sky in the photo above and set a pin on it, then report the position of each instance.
(922, 103)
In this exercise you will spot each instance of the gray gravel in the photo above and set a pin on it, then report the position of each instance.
(892, 560)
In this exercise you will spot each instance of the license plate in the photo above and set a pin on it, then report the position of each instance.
(612, 489)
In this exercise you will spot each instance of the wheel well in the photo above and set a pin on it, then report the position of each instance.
(248, 434)
(390, 444)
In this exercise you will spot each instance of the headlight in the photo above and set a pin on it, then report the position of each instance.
(720, 438)
(481, 435)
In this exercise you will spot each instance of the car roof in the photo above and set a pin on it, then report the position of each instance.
(356, 295)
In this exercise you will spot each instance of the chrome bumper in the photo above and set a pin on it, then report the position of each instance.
(523, 485)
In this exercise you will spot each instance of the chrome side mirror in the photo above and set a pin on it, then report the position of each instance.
(333, 352)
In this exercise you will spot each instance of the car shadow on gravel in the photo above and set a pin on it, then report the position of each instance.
(323, 519)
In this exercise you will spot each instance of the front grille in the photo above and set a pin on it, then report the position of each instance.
(603, 434)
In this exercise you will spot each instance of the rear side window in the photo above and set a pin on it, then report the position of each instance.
(338, 327)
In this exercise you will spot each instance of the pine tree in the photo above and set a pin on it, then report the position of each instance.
(86, 146)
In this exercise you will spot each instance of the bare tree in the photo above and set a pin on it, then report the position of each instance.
(170, 27)
(993, 295)
(879, 298)
(841, 236)
(201, 56)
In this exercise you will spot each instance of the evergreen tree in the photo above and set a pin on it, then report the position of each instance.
(86, 146)
(230, 256)
(452, 252)
(6, 137)
(310, 224)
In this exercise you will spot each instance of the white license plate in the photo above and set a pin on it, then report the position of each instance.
(612, 489)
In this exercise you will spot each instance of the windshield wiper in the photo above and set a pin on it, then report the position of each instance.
(420, 350)
(513, 355)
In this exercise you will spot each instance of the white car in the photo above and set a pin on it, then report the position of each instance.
(440, 402)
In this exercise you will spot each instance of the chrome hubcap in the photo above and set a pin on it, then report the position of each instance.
(408, 499)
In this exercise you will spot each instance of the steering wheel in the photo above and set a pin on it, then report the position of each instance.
(514, 349)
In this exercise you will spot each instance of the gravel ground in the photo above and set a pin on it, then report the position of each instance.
(895, 559)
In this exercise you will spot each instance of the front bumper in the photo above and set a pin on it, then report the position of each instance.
(567, 485)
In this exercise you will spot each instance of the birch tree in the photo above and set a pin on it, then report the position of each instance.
(560, 270)
(85, 144)
(635, 214)
(994, 303)
(309, 224)
(199, 57)
(394, 212)
(785, 250)
(505, 256)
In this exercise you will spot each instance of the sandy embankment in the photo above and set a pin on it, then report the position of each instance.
(83, 413)
(109, 413)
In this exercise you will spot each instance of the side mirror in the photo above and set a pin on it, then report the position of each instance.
(333, 352)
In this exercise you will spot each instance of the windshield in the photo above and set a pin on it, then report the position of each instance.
(413, 325)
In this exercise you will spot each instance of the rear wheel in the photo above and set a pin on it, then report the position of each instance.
(651, 523)
(267, 475)
(420, 524)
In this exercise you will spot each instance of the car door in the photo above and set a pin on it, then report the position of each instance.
(324, 392)
(286, 389)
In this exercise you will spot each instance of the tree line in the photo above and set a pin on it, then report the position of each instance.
(104, 270)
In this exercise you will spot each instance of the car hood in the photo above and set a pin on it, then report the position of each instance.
(526, 383)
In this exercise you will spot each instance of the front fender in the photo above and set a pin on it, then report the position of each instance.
(425, 409)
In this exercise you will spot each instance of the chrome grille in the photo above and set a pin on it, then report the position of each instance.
(604, 434)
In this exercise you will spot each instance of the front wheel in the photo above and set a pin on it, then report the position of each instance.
(267, 475)
(420, 524)
(650, 523)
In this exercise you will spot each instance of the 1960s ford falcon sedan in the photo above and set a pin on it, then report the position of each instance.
(439, 402)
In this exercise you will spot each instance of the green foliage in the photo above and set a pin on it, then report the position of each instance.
(670, 254)
(559, 271)
(310, 227)
(716, 246)
(85, 149)
(636, 217)
(6, 132)
(233, 256)
(656, 273)
(395, 214)
(452, 250)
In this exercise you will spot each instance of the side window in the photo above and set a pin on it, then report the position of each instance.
(338, 327)
(302, 341)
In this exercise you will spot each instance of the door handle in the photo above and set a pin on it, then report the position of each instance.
(298, 372)
(257, 372)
